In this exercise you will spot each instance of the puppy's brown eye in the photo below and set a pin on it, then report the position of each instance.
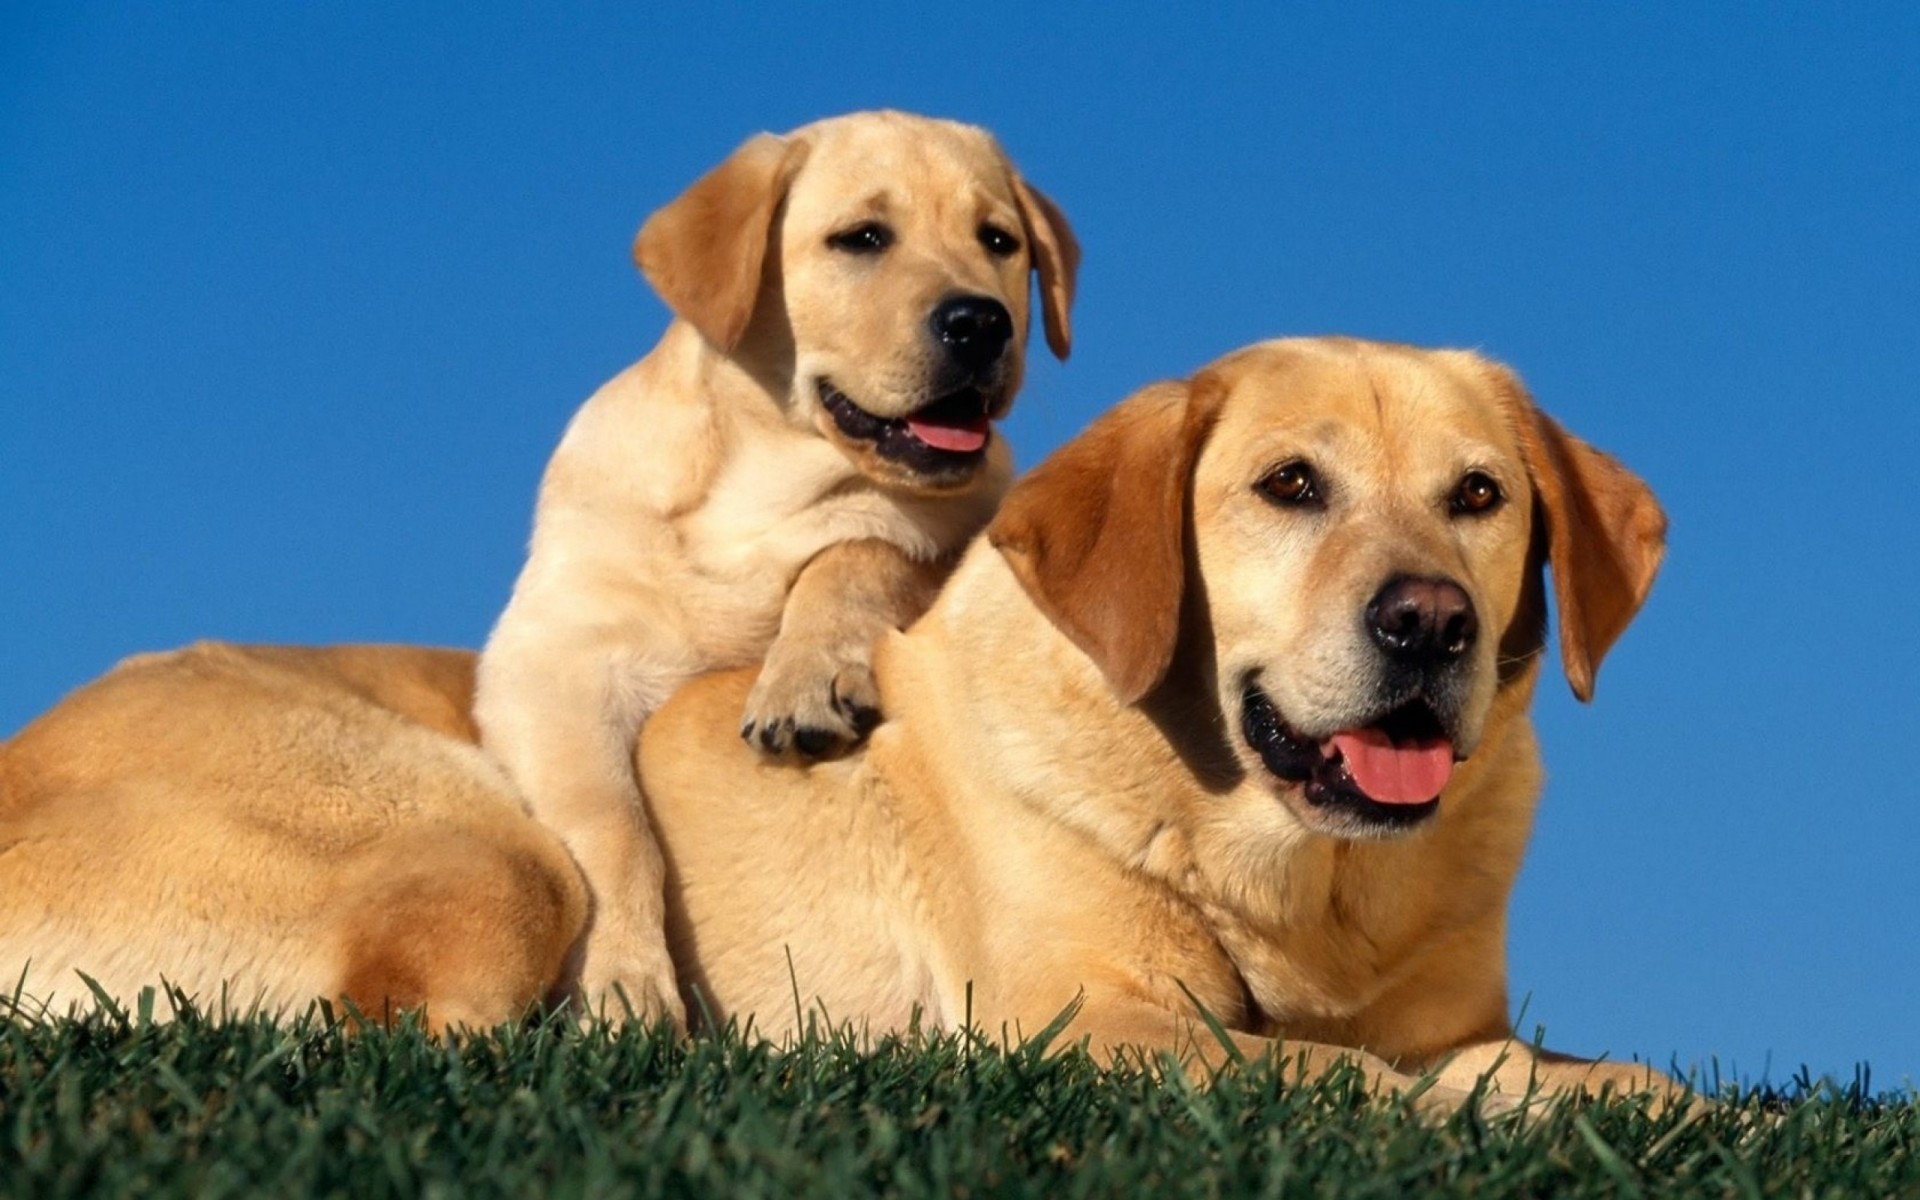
(868, 237)
(1291, 485)
(1476, 495)
(998, 241)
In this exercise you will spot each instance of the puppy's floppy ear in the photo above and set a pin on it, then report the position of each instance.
(1097, 533)
(1056, 259)
(1605, 535)
(704, 252)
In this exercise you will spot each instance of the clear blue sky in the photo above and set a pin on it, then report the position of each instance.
(295, 299)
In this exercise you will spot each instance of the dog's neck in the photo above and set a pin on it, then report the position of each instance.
(754, 381)
(986, 677)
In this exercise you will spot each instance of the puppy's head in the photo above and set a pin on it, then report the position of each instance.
(1348, 537)
(873, 269)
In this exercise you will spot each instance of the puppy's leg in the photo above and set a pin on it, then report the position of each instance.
(816, 693)
(563, 725)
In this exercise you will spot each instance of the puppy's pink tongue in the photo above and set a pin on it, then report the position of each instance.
(963, 436)
(1408, 773)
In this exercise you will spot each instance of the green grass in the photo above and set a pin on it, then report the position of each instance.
(115, 1105)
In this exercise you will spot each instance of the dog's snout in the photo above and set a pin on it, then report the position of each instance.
(974, 329)
(1424, 622)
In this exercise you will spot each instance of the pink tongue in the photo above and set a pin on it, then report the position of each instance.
(1410, 773)
(963, 438)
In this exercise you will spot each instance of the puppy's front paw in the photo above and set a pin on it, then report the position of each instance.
(810, 703)
(622, 987)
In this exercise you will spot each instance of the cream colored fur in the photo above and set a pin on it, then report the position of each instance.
(703, 511)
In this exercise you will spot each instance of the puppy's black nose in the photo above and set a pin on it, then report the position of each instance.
(1423, 622)
(974, 329)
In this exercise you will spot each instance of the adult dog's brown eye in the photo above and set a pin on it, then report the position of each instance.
(1291, 484)
(868, 237)
(998, 241)
(1476, 495)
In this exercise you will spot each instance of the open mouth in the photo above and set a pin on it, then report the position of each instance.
(949, 434)
(1384, 776)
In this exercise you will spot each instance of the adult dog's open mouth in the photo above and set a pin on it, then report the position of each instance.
(945, 437)
(1377, 778)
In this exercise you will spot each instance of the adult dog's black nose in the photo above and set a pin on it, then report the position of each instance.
(974, 329)
(1423, 622)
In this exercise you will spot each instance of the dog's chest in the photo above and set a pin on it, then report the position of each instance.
(1325, 954)
(777, 503)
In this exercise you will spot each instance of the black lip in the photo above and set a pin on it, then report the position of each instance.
(893, 441)
(1326, 785)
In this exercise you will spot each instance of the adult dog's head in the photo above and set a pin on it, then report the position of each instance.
(1343, 541)
(873, 270)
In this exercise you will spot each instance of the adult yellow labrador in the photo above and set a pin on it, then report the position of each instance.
(1229, 706)
(788, 473)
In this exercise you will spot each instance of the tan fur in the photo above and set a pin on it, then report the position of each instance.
(1060, 807)
(264, 826)
(704, 511)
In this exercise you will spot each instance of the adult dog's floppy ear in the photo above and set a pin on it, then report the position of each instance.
(1056, 260)
(1097, 533)
(704, 252)
(1605, 535)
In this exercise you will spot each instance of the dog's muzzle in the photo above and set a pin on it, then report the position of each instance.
(944, 439)
(1373, 780)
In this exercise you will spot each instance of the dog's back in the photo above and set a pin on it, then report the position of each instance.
(272, 825)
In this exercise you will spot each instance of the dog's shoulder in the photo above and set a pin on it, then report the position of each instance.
(651, 440)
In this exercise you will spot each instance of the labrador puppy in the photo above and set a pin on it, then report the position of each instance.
(786, 475)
